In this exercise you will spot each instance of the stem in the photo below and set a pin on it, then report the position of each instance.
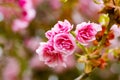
(82, 76)
(73, 33)
(81, 46)
(77, 54)
(105, 34)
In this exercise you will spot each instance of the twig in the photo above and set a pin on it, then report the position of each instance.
(82, 76)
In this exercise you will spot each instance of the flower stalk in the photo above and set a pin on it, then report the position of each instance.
(82, 47)
(82, 76)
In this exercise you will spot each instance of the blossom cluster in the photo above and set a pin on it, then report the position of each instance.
(62, 41)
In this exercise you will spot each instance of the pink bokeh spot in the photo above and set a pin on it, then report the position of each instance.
(28, 15)
(55, 4)
(11, 70)
(19, 24)
(22, 3)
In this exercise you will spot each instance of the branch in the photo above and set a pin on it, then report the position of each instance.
(82, 76)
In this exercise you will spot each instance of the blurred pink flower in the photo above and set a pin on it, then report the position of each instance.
(23, 11)
(89, 8)
(55, 4)
(50, 56)
(85, 32)
(19, 24)
(115, 43)
(28, 15)
(37, 2)
(9, 12)
(35, 63)
(32, 41)
(65, 43)
(25, 4)
(11, 1)
(11, 70)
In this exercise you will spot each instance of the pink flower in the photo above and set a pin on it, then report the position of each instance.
(60, 44)
(50, 56)
(85, 32)
(50, 34)
(61, 27)
(65, 43)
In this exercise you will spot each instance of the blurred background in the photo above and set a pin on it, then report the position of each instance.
(22, 28)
